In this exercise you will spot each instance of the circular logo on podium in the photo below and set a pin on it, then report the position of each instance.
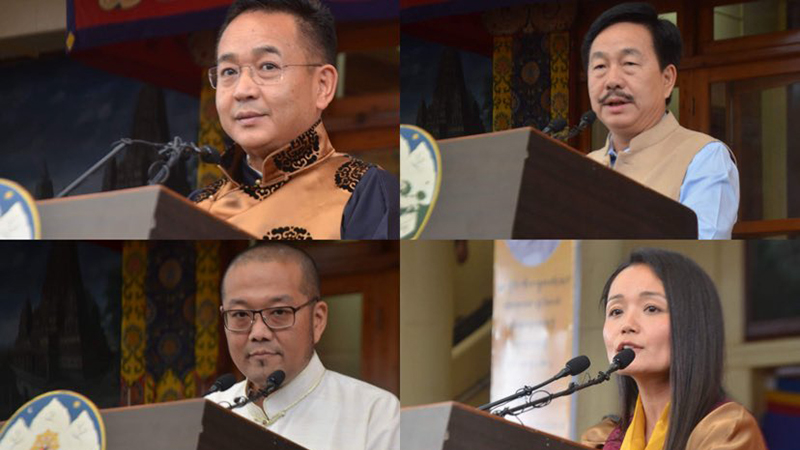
(420, 177)
(62, 420)
(19, 218)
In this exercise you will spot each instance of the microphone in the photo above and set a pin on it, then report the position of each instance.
(573, 367)
(274, 381)
(207, 154)
(173, 151)
(620, 361)
(222, 384)
(554, 126)
(159, 170)
(587, 119)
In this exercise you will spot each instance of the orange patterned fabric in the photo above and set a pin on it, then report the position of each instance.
(301, 195)
(502, 66)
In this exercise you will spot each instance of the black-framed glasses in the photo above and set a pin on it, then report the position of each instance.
(276, 318)
(226, 75)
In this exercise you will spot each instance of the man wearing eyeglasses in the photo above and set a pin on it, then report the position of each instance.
(283, 179)
(273, 317)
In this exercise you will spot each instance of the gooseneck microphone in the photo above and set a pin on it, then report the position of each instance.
(573, 367)
(587, 119)
(620, 361)
(174, 151)
(223, 383)
(274, 381)
(171, 153)
(555, 126)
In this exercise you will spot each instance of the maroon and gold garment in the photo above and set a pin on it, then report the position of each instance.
(729, 426)
(301, 194)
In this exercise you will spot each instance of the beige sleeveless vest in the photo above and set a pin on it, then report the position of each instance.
(658, 158)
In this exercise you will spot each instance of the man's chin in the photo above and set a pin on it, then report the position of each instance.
(618, 125)
(252, 142)
(616, 120)
(262, 135)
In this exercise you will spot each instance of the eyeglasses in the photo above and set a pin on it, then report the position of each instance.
(275, 318)
(226, 75)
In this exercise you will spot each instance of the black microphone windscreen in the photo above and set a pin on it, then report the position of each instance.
(624, 358)
(557, 125)
(223, 383)
(588, 117)
(226, 381)
(209, 155)
(578, 364)
(276, 378)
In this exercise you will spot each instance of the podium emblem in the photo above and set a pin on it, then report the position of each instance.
(19, 218)
(62, 420)
(420, 178)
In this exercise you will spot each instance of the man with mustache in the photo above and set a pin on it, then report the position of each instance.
(283, 179)
(273, 317)
(631, 57)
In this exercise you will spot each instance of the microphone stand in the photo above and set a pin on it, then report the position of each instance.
(173, 151)
(238, 402)
(539, 402)
(159, 171)
(522, 392)
(577, 130)
(118, 146)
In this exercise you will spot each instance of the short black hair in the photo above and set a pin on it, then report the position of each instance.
(281, 252)
(314, 21)
(666, 36)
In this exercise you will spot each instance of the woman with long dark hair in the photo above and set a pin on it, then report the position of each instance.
(666, 308)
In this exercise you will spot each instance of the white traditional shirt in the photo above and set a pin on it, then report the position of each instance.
(321, 409)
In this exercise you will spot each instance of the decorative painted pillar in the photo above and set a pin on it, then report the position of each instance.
(210, 133)
(134, 332)
(202, 45)
(502, 64)
(170, 320)
(530, 63)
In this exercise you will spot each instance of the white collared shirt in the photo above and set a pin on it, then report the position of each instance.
(321, 409)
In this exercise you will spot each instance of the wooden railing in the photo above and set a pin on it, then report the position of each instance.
(755, 229)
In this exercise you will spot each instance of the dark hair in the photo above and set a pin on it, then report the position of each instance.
(314, 21)
(278, 251)
(666, 37)
(698, 342)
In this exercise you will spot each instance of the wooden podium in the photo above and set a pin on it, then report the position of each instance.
(522, 184)
(196, 424)
(150, 212)
(453, 426)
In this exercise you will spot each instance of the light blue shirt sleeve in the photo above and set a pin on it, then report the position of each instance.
(711, 189)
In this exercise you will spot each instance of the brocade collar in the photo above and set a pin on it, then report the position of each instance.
(302, 153)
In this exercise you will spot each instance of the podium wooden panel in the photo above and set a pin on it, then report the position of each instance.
(196, 424)
(454, 426)
(522, 184)
(150, 212)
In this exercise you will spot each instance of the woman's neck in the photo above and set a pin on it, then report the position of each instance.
(655, 394)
